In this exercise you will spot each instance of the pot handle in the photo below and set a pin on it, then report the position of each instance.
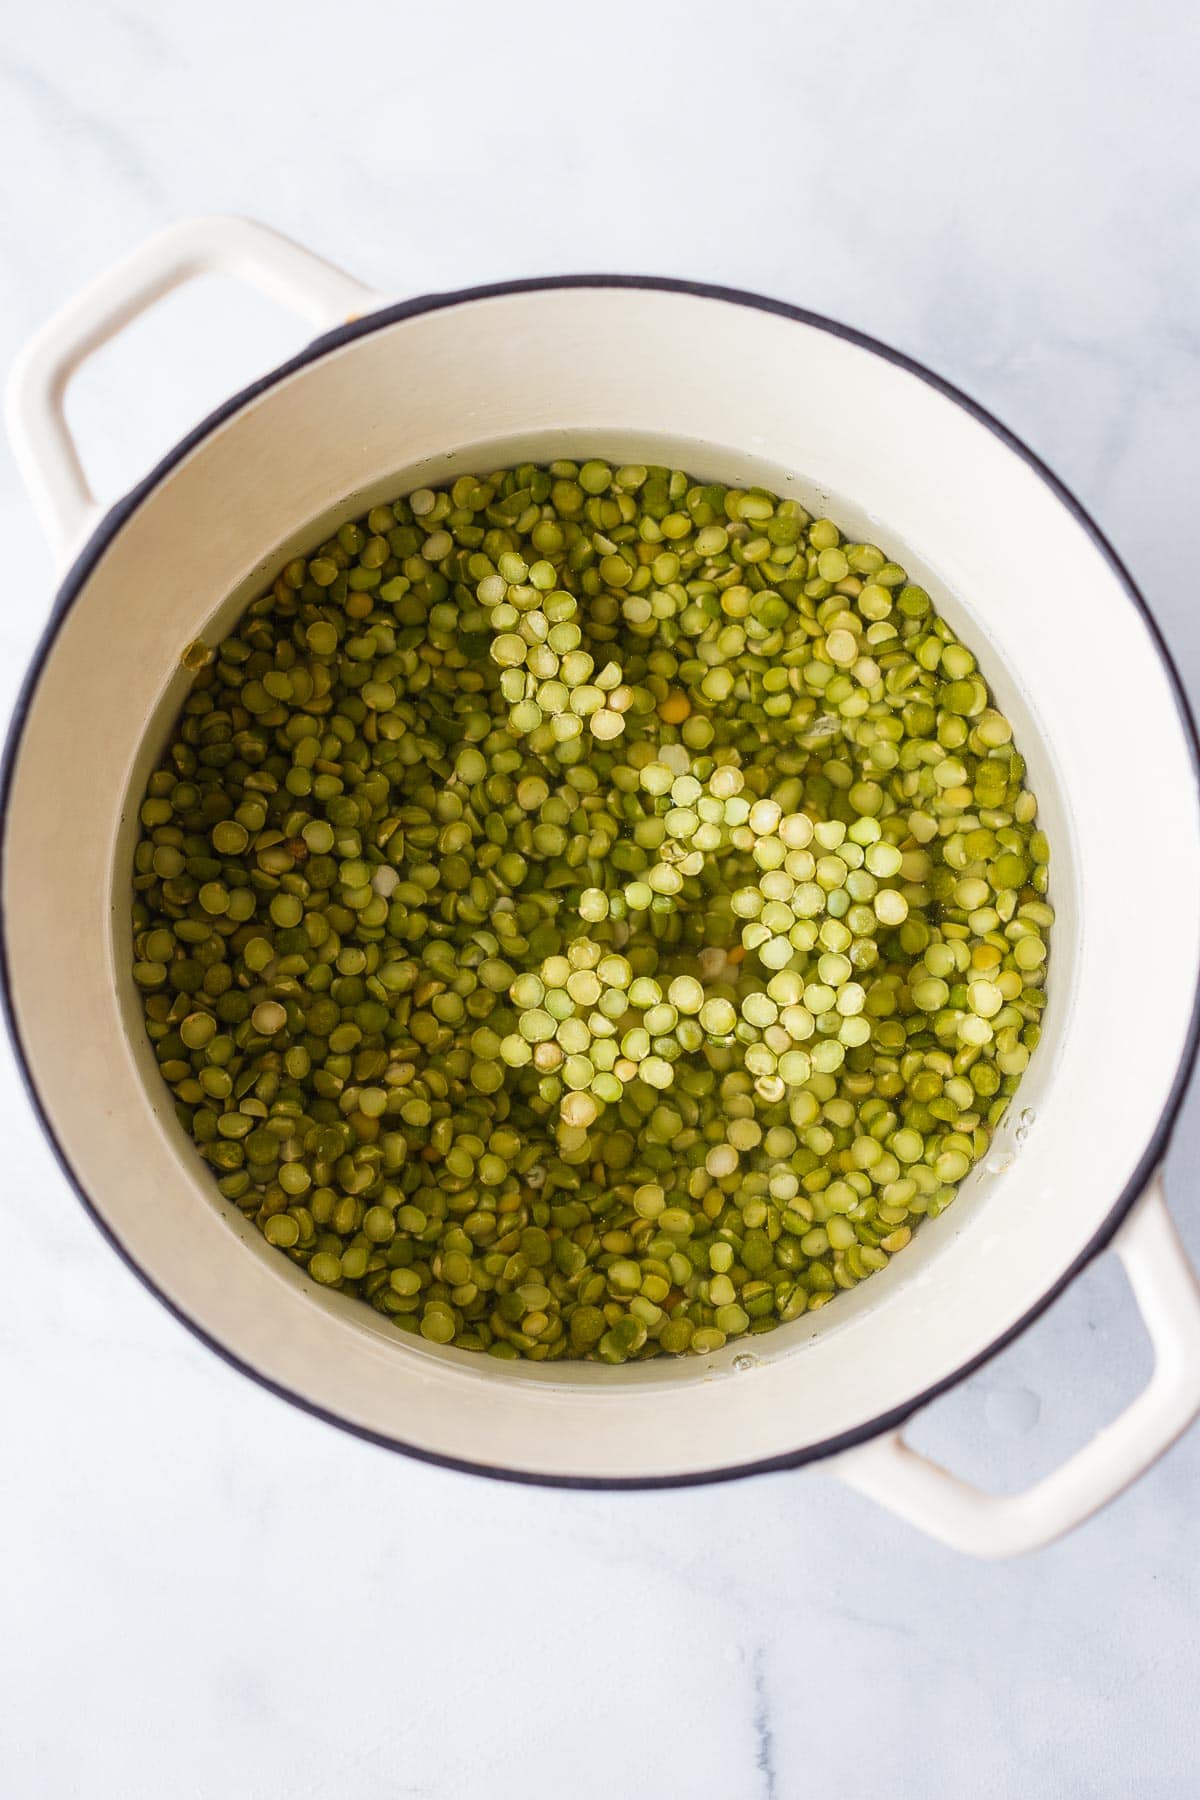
(42, 444)
(890, 1471)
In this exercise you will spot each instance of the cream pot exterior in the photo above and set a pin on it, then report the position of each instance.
(729, 387)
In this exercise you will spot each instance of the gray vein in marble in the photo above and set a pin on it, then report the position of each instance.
(872, 1622)
(58, 112)
(142, 30)
(764, 1735)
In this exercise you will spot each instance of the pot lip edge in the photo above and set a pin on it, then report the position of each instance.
(107, 529)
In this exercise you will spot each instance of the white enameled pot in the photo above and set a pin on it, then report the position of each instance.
(730, 387)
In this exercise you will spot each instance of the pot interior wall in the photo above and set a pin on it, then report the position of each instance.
(537, 376)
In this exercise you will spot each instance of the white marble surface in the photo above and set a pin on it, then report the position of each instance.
(207, 1594)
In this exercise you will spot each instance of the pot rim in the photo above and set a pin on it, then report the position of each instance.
(72, 586)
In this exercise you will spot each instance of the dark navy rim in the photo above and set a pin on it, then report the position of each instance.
(108, 529)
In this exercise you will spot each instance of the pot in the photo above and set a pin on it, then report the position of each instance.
(729, 386)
